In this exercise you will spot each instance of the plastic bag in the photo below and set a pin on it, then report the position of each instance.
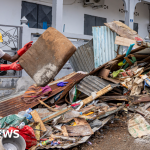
(28, 134)
(12, 120)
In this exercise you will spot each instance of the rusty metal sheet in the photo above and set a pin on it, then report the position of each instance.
(47, 56)
(93, 84)
(15, 105)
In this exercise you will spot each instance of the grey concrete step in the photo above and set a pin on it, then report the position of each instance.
(6, 91)
(7, 86)
(7, 83)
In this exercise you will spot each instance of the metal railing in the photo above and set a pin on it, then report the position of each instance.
(12, 42)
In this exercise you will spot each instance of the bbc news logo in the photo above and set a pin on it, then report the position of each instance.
(10, 134)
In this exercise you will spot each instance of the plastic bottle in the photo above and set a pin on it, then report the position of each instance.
(28, 116)
(21, 126)
(25, 114)
(29, 110)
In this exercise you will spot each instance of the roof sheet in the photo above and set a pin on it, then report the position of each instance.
(83, 58)
(93, 84)
(104, 45)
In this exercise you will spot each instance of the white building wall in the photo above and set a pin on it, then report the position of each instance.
(10, 12)
(142, 19)
(73, 13)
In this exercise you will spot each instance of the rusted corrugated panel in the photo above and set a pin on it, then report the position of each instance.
(83, 58)
(47, 56)
(104, 45)
(93, 84)
(15, 105)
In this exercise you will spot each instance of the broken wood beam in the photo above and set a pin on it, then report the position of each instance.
(125, 41)
(98, 94)
(118, 98)
(56, 114)
(37, 118)
(123, 30)
(52, 109)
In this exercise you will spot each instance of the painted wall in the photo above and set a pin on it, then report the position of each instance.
(10, 12)
(73, 16)
(142, 19)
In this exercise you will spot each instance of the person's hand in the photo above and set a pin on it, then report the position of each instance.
(24, 49)
(28, 45)
(15, 66)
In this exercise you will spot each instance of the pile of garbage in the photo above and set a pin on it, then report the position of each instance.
(68, 111)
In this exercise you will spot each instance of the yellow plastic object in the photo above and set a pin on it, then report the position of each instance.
(73, 124)
(124, 85)
(120, 63)
(88, 114)
(1, 38)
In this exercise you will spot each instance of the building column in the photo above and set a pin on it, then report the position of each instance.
(57, 15)
(129, 11)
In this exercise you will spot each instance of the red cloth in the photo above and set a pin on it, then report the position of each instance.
(28, 134)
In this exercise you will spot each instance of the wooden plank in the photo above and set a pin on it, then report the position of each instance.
(56, 114)
(98, 94)
(80, 130)
(80, 121)
(125, 42)
(37, 118)
(118, 98)
(52, 109)
(123, 30)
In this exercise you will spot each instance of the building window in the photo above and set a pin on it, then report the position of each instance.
(90, 21)
(39, 16)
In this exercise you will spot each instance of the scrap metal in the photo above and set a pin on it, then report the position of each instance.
(83, 58)
(104, 45)
(93, 84)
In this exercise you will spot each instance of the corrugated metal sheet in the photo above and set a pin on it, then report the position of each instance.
(16, 104)
(93, 83)
(104, 45)
(83, 58)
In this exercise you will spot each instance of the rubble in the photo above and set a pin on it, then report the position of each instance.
(68, 111)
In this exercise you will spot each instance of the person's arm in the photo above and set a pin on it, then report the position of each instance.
(10, 58)
(20, 52)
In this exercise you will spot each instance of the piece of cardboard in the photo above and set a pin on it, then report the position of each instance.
(47, 56)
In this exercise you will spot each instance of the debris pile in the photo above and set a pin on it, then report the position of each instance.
(67, 111)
